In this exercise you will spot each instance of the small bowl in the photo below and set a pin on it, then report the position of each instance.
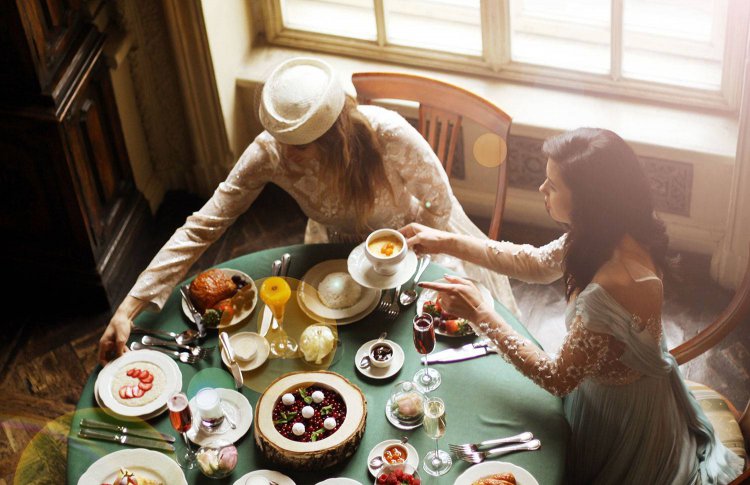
(217, 459)
(398, 450)
(383, 264)
(380, 363)
(245, 347)
(388, 469)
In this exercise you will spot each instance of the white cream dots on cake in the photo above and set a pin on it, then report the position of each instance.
(287, 399)
(308, 412)
(298, 429)
(329, 423)
(318, 397)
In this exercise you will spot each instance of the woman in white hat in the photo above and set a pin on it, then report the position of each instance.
(351, 169)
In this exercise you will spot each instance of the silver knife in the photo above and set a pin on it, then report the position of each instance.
(197, 318)
(466, 352)
(233, 365)
(124, 439)
(141, 433)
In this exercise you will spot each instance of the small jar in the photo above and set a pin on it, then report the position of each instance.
(406, 404)
(217, 459)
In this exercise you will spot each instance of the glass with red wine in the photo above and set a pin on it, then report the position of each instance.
(182, 419)
(426, 379)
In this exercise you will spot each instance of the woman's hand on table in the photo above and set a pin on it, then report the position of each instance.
(115, 338)
(426, 240)
(460, 297)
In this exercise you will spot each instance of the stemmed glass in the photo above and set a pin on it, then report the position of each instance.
(182, 419)
(436, 462)
(426, 379)
(275, 293)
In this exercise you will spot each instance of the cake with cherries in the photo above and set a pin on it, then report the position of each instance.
(310, 420)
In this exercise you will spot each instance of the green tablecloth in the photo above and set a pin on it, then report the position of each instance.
(485, 397)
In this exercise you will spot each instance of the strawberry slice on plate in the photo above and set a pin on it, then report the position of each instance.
(145, 386)
(137, 391)
(122, 392)
(148, 379)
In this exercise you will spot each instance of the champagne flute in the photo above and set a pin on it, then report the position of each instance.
(436, 462)
(275, 293)
(427, 379)
(182, 419)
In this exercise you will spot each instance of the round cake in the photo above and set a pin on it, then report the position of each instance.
(339, 290)
(310, 420)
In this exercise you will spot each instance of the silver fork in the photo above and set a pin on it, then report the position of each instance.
(197, 351)
(474, 447)
(480, 456)
(394, 309)
(181, 356)
(385, 302)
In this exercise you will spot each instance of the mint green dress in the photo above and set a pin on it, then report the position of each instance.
(650, 431)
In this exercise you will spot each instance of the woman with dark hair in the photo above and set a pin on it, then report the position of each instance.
(351, 168)
(631, 416)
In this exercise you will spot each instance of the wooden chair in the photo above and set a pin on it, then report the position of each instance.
(442, 108)
(717, 406)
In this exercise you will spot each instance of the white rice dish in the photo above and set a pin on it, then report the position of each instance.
(122, 379)
(338, 290)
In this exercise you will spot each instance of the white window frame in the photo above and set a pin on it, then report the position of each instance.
(496, 61)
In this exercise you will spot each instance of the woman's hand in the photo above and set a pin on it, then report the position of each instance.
(115, 338)
(460, 297)
(426, 240)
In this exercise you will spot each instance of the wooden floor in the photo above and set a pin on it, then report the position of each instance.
(45, 361)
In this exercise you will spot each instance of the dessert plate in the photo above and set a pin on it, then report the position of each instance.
(308, 298)
(145, 463)
(113, 377)
(240, 316)
(271, 475)
(237, 408)
(430, 295)
(377, 450)
(343, 321)
(264, 348)
(109, 412)
(363, 273)
(380, 372)
(523, 477)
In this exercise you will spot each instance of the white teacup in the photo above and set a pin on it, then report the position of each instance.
(381, 354)
(378, 248)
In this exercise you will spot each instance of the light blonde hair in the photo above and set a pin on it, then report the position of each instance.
(353, 154)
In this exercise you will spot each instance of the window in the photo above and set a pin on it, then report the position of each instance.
(688, 52)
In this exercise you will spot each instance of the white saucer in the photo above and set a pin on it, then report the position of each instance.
(146, 463)
(363, 273)
(240, 316)
(380, 372)
(344, 321)
(307, 294)
(474, 473)
(275, 476)
(339, 481)
(377, 450)
(239, 410)
(264, 348)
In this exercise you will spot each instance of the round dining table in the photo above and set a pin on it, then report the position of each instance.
(484, 397)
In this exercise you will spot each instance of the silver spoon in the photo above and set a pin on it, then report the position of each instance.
(410, 296)
(364, 362)
(183, 338)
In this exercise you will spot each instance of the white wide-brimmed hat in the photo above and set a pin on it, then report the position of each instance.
(301, 100)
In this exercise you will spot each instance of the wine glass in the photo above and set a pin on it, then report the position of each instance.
(275, 293)
(426, 379)
(182, 419)
(436, 462)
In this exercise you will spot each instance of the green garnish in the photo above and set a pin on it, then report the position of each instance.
(303, 394)
(285, 417)
(315, 434)
(326, 409)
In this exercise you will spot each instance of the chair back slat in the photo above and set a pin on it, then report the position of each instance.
(442, 109)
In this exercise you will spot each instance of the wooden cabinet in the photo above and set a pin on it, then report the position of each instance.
(71, 214)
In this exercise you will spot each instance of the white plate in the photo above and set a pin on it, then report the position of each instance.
(240, 316)
(343, 321)
(127, 418)
(307, 294)
(429, 295)
(149, 464)
(363, 273)
(377, 450)
(239, 410)
(380, 372)
(275, 476)
(264, 348)
(168, 366)
(487, 468)
(339, 481)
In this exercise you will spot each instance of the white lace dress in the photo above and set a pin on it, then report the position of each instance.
(420, 188)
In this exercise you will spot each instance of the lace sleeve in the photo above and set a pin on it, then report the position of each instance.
(202, 228)
(420, 170)
(582, 354)
(526, 262)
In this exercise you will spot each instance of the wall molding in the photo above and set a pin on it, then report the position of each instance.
(213, 155)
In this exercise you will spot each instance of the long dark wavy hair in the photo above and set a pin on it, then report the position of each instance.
(611, 197)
